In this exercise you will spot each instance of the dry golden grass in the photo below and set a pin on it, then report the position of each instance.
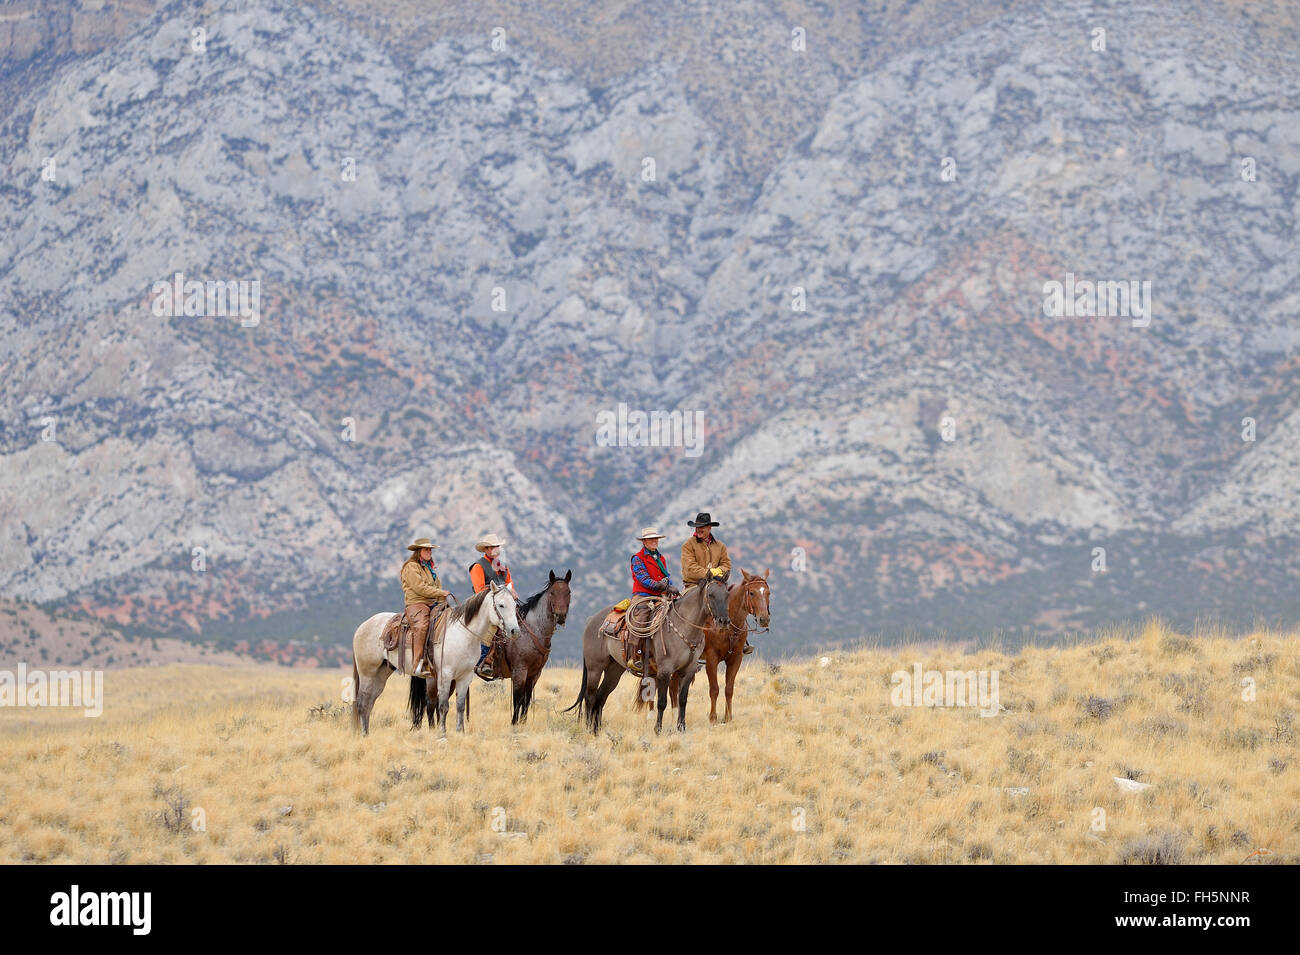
(821, 743)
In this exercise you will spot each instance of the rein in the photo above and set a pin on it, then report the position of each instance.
(669, 620)
(544, 650)
(743, 628)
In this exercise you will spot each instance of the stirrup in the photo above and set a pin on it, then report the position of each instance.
(636, 667)
(749, 648)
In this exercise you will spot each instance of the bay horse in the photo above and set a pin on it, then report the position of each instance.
(746, 598)
(682, 635)
(473, 623)
(526, 656)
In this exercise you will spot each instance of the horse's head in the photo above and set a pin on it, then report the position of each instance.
(715, 597)
(757, 596)
(557, 596)
(502, 602)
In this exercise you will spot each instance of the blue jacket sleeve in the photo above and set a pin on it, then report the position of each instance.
(640, 573)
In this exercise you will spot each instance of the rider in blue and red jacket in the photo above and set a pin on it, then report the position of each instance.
(650, 579)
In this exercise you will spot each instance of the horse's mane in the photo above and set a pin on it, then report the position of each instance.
(471, 606)
(527, 606)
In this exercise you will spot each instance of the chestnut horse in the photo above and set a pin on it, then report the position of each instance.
(747, 598)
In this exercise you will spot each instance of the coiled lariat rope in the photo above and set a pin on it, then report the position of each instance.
(639, 630)
(658, 616)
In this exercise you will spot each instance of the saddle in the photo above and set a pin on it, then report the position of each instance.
(616, 620)
(397, 634)
(397, 626)
(616, 626)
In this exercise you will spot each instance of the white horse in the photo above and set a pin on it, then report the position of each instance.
(476, 620)
(486, 613)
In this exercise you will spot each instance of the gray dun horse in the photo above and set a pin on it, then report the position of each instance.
(681, 637)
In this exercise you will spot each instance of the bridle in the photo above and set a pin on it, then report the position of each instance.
(543, 649)
(669, 619)
(749, 611)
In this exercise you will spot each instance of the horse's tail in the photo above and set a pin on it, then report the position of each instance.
(356, 690)
(418, 700)
(582, 688)
(639, 702)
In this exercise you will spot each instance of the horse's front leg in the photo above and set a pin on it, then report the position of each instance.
(519, 684)
(528, 695)
(662, 703)
(733, 667)
(687, 680)
(711, 667)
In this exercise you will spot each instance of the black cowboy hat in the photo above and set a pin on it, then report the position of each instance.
(702, 519)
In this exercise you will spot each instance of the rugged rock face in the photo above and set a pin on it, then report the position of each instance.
(467, 257)
(50, 29)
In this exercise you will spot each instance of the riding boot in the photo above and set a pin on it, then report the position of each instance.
(485, 669)
(635, 665)
(749, 648)
(418, 666)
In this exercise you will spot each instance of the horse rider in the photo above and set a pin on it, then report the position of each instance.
(701, 551)
(650, 583)
(489, 569)
(423, 592)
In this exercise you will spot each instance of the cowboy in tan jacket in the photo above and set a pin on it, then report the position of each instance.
(701, 551)
(423, 592)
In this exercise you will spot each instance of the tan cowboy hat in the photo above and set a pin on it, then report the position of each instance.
(489, 540)
(420, 543)
(648, 532)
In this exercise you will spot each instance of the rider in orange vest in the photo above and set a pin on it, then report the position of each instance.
(489, 568)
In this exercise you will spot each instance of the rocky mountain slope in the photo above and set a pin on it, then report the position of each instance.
(839, 262)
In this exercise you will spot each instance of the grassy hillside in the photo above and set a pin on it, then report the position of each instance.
(819, 766)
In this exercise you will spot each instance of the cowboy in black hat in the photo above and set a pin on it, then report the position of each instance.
(702, 551)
